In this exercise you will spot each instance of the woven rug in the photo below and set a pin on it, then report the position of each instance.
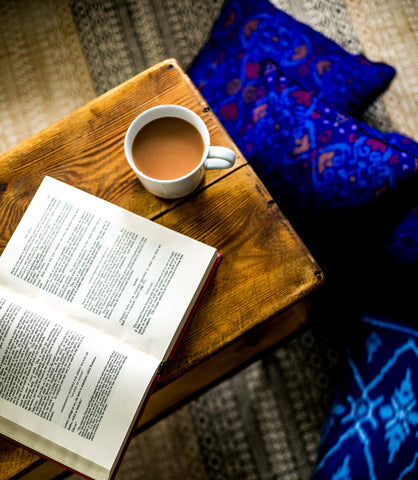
(55, 55)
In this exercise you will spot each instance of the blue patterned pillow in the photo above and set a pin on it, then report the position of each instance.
(248, 32)
(311, 157)
(371, 431)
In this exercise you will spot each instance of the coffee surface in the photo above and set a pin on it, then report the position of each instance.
(167, 148)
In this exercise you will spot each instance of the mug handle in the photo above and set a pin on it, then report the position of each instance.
(219, 157)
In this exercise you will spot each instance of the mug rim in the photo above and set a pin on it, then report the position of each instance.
(173, 107)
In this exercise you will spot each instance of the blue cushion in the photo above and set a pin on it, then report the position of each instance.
(248, 32)
(343, 185)
(310, 155)
(371, 431)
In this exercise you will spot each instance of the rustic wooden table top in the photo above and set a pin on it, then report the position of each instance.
(266, 270)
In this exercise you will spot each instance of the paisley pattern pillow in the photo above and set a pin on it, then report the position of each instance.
(312, 157)
(248, 32)
(371, 431)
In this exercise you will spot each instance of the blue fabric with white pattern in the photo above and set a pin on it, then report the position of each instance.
(371, 431)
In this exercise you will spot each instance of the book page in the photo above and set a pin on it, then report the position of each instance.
(77, 388)
(101, 264)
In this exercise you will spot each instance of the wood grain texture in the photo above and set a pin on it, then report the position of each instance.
(85, 148)
(14, 460)
(223, 363)
(265, 267)
(265, 270)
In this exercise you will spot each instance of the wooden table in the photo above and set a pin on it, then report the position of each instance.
(257, 296)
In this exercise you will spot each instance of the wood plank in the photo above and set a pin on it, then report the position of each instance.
(14, 460)
(254, 237)
(265, 271)
(265, 267)
(227, 361)
(85, 149)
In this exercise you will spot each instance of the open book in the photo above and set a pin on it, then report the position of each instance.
(93, 299)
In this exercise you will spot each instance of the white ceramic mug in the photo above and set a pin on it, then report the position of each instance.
(212, 157)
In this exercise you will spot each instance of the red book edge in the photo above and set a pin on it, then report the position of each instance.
(163, 366)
